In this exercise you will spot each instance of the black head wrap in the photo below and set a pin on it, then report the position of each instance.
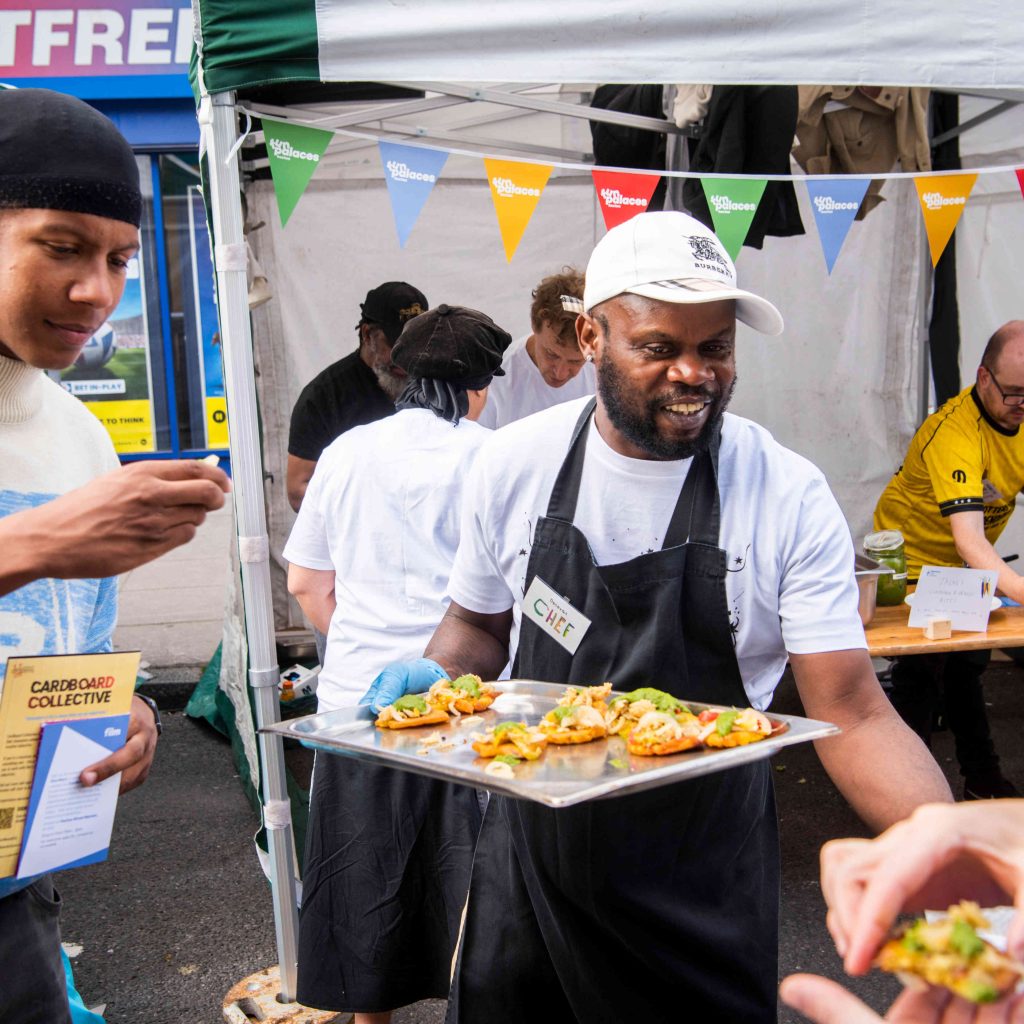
(58, 153)
(446, 352)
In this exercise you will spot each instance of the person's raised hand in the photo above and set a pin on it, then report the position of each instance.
(122, 519)
(939, 855)
(400, 678)
(133, 760)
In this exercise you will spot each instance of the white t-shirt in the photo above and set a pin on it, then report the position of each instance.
(523, 391)
(383, 512)
(790, 585)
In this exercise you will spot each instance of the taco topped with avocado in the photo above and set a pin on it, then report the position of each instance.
(463, 696)
(628, 708)
(511, 739)
(410, 710)
(950, 953)
(734, 727)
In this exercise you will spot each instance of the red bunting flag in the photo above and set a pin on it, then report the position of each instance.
(1020, 180)
(623, 195)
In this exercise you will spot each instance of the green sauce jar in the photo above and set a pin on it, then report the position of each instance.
(887, 548)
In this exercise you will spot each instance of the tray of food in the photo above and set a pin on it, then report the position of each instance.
(547, 742)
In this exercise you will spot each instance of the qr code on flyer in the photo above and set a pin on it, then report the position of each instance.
(6, 817)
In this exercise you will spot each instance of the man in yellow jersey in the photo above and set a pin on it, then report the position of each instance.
(951, 498)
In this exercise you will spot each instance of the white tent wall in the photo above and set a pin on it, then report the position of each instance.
(840, 386)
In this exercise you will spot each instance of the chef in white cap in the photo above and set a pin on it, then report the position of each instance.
(690, 552)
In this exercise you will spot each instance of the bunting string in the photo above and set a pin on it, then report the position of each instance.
(411, 171)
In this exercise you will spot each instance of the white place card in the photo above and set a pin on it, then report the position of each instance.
(962, 595)
(552, 613)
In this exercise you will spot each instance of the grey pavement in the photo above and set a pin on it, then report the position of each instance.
(181, 911)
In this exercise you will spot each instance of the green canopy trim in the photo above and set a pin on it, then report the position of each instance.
(244, 44)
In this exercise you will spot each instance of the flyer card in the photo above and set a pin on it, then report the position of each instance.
(965, 596)
(39, 690)
(68, 825)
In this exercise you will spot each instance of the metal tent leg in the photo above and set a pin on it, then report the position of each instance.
(250, 520)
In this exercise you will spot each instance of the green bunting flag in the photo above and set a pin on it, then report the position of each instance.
(294, 151)
(733, 203)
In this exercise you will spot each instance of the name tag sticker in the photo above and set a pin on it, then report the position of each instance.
(553, 614)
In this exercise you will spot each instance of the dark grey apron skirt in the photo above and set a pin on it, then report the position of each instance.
(387, 867)
(657, 907)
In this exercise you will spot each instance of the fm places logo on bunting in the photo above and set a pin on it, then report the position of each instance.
(411, 173)
(294, 151)
(835, 202)
(623, 195)
(943, 198)
(733, 203)
(515, 188)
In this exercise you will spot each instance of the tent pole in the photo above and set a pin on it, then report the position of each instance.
(250, 518)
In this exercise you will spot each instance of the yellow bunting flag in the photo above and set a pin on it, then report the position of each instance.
(943, 198)
(515, 189)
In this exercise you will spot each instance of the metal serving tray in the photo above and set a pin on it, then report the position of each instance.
(564, 775)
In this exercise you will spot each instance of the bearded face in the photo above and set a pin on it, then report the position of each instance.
(665, 373)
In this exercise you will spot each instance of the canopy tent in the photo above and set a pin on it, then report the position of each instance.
(264, 57)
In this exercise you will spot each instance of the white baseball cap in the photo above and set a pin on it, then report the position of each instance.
(672, 257)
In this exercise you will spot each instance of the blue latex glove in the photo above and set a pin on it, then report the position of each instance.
(400, 678)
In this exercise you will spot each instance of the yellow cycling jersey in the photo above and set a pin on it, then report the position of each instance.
(960, 460)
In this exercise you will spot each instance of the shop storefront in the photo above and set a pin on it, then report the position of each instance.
(152, 373)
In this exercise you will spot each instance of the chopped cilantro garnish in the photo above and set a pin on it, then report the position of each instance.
(617, 762)
(508, 759)
(912, 941)
(561, 712)
(723, 723)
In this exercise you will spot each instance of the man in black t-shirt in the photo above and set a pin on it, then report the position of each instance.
(358, 389)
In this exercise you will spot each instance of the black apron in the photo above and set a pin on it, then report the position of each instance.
(656, 907)
(385, 878)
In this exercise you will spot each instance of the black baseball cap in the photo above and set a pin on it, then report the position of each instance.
(391, 305)
(452, 343)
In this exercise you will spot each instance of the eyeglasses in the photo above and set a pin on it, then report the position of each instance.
(1011, 400)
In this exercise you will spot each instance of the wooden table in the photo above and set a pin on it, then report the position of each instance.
(888, 634)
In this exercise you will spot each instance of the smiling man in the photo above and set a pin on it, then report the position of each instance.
(704, 555)
(951, 499)
(546, 367)
(70, 518)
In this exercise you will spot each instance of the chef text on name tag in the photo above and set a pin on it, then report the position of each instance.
(554, 615)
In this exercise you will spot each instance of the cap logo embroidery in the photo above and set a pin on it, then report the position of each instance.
(408, 312)
(706, 250)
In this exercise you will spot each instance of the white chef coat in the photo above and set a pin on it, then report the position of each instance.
(523, 391)
(790, 584)
(383, 511)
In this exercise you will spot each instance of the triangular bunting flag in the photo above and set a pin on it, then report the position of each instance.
(943, 198)
(1020, 180)
(294, 151)
(623, 195)
(835, 202)
(411, 173)
(733, 203)
(515, 189)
